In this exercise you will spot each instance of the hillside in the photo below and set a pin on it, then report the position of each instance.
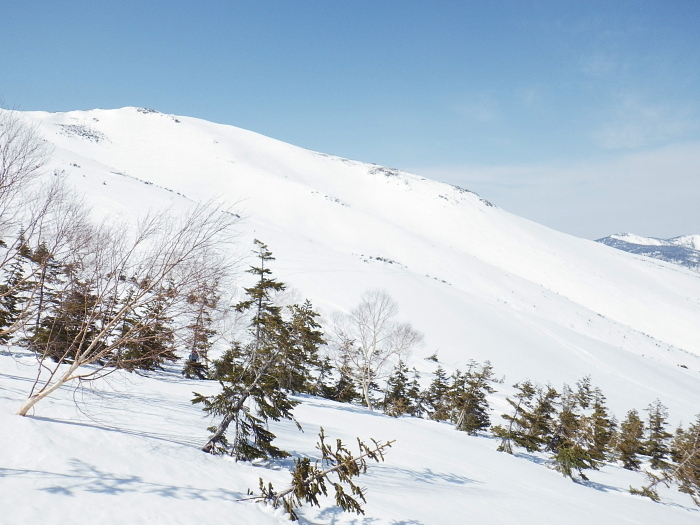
(683, 250)
(480, 283)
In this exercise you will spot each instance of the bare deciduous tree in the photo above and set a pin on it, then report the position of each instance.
(119, 275)
(369, 338)
(44, 215)
(23, 155)
(53, 226)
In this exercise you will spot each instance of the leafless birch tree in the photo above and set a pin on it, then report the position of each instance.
(369, 338)
(23, 156)
(164, 261)
(45, 215)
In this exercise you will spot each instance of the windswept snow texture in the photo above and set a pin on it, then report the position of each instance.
(479, 282)
(684, 250)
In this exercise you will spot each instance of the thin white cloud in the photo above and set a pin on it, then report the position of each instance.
(636, 123)
(599, 64)
(652, 193)
(482, 108)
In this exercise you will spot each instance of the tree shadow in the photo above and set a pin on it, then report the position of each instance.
(333, 513)
(345, 407)
(531, 458)
(17, 378)
(598, 486)
(21, 388)
(168, 438)
(331, 516)
(429, 476)
(86, 478)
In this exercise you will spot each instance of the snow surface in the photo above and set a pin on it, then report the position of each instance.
(480, 283)
(126, 451)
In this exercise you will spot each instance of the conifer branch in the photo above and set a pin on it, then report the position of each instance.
(309, 482)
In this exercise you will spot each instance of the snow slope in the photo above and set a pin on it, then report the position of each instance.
(479, 282)
(129, 454)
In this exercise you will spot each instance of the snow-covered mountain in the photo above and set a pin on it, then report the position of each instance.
(683, 250)
(479, 282)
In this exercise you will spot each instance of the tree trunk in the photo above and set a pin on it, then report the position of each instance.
(44, 392)
(220, 431)
(365, 392)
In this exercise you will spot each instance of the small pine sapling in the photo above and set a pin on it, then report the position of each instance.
(343, 390)
(309, 482)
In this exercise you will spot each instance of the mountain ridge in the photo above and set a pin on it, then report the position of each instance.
(683, 250)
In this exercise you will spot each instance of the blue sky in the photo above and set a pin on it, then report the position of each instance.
(581, 115)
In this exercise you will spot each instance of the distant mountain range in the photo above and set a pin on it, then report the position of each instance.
(684, 250)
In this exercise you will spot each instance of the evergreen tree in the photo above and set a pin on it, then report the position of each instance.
(344, 390)
(518, 422)
(11, 290)
(402, 394)
(540, 422)
(435, 399)
(601, 427)
(147, 338)
(322, 385)
(629, 442)
(200, 330)
(250, 374)
(571, 443)
(69, 324)
(48, 279)
(300, 349)
(249, 397)
(656, 445)
(684, 469)
(470, 408)
(395, 402)
(685, 452)
(48, 284)
(414, 394)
